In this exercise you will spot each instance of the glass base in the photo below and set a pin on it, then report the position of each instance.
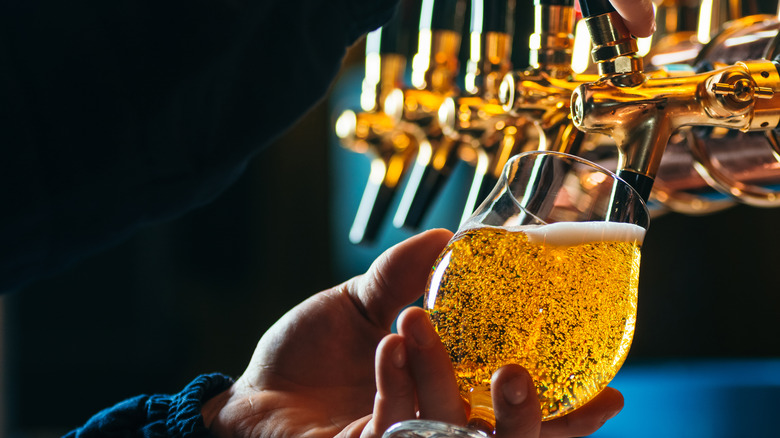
(430, 429)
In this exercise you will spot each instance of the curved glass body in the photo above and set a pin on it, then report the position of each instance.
(545, 275)
(558, 299)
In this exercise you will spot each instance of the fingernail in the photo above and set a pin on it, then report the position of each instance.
(399, 356)
(515, 390)
(422, 333)
(609, 416)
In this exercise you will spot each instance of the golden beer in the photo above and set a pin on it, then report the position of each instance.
(558, 299)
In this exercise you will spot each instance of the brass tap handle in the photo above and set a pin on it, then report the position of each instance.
(475, 121)
(435, 65)
(614, 48)
(552, 43)
(541, 94)
(433, 77)
(387, 49)
(373, 132)
(642, 117)
(490, 46)
(742, 90)
(615, 54)
(391, 152)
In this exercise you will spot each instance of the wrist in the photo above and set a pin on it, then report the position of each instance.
(211, 409)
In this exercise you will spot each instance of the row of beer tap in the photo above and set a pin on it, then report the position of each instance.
(690, 124)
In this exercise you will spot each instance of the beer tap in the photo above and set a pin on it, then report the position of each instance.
(741, 166)
(542, 93)
(475, 121)
(641, 111)
(415, 109)
(372, 131)
(683, 183)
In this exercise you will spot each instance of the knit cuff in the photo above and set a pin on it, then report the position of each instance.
(182, 411)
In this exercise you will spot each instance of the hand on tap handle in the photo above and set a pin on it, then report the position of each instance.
(638, 15)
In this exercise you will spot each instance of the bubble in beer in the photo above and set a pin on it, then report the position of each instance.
(558, 299)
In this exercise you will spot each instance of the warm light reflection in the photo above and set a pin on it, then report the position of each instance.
(472, 67)
(476, 184)
(358, 229)
(747, 39)
(580, 58)
(373, 68)
(440, 158)
(395, 169)
(678, 57)
(421, 61)
(345, 124)
(507, 145)
(593, 180)
(424, 153)
(705, 22)
(477, 15)
(378, 171)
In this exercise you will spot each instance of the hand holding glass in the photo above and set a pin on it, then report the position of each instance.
(544, 274)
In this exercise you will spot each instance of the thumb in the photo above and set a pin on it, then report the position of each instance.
(398, 276)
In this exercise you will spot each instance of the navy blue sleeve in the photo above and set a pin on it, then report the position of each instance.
(156, 416)
(121, 113)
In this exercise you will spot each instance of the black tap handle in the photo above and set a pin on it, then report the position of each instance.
(643, 184)
(492, 16)
(443, 15)
(554, 2)
(373, 208)
(591, 8)
(399, 34)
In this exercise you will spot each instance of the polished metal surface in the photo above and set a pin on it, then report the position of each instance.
(694, 119)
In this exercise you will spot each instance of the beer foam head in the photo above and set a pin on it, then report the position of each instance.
(577, 233)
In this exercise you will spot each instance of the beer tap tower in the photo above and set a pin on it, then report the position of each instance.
(641, 111)
(415, 109)
(475, 121)
(693, 138)
(372, 131)
(542, 92)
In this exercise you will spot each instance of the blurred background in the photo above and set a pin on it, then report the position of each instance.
(194, 295)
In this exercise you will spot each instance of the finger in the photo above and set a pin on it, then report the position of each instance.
(588, 418)
(395, 398)
(518, 414)
(398, 276)
(438, 397)
(638, 15)
(357, 429)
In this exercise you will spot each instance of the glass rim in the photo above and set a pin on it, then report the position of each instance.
(586, 162)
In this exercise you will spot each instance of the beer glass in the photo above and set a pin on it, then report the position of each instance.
(544, 274)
